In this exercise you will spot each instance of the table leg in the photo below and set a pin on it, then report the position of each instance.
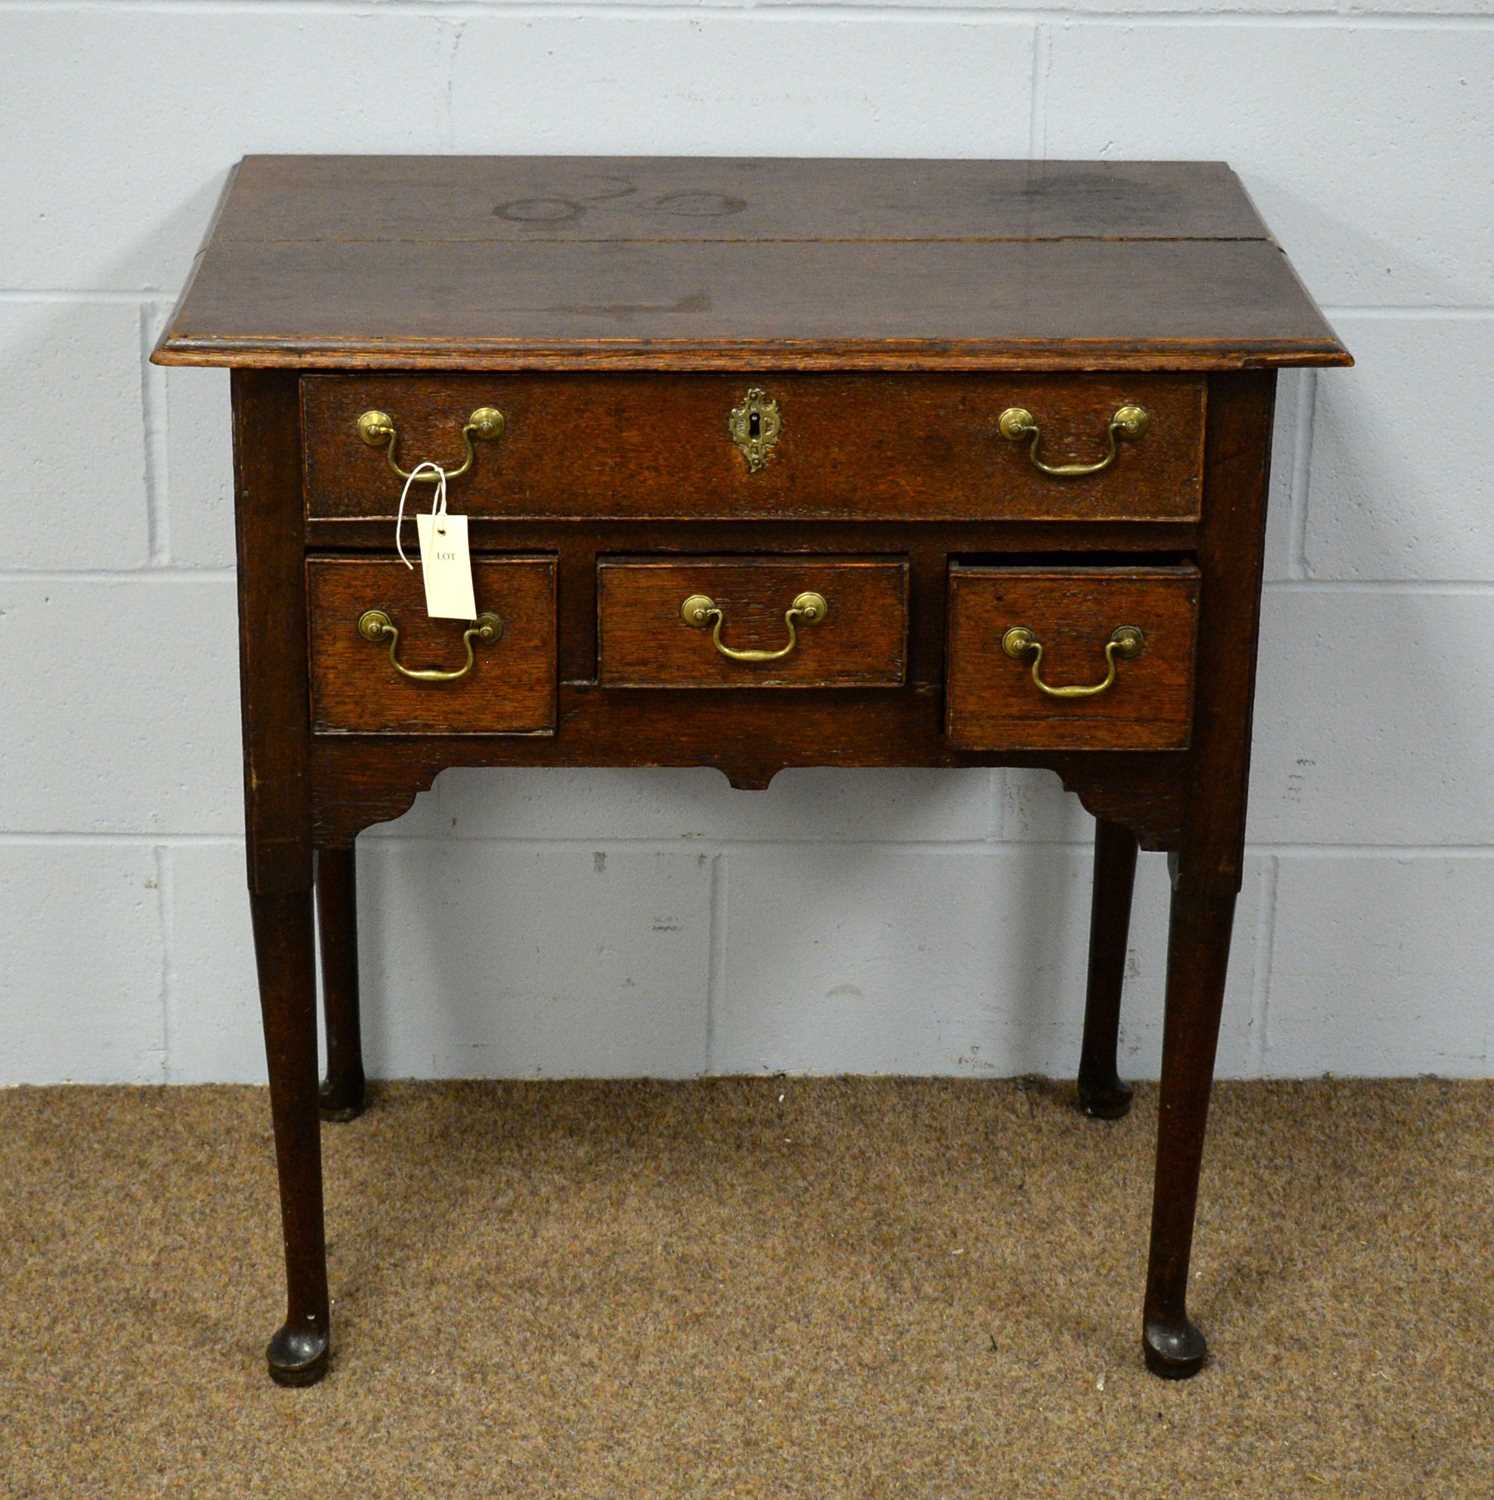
(1197, 958)
(342, 1090)
(277, 825)
(1102, 1094)
(283, 951)
(1208, 864)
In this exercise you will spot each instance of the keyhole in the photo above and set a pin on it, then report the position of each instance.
(754, 424)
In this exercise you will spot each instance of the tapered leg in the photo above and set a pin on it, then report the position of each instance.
(342, 1091)
(283, 951)
(1102, 1094)
(277, 826)
(1197, 957)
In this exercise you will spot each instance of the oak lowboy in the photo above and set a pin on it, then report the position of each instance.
(873, 463)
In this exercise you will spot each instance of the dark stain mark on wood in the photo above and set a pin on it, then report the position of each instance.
(691, 302)
(540, 211)
(701, 205)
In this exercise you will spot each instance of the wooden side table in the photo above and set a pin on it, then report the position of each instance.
(768, 463)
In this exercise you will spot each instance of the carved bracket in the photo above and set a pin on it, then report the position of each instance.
(352, 790)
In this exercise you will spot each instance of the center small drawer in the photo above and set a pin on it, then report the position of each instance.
(752, 622)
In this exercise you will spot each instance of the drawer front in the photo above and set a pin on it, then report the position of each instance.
(751, 622)
(851, 447)
(1073, 615)
(356, 688)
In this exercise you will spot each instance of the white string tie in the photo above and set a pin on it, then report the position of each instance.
(438, 504)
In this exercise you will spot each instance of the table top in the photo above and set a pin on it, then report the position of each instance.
(493, 263)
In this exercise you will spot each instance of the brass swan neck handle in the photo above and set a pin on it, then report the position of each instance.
(700, 610)
(1126, 642)
(377, 429)
(375, 625)
(1129, 424)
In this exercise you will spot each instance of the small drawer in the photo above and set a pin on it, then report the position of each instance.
(357, 688)
(1071, 658)
(856, 447)
(752, 622)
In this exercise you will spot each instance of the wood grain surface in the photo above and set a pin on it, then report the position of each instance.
(855, 447)
(272, 626)
(748, 736)
(643, 641)
(518, 263)
(664, 199)
(993, 701)
(510, 690)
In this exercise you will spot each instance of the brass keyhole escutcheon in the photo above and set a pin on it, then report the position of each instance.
(754, 427)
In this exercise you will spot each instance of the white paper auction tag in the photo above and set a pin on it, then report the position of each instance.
(445, 563)
(446, 566)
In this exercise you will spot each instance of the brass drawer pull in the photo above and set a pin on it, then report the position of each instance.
(377, 429)
(1129, 423)
(1126, 642)
(375, 625)
(700, 610)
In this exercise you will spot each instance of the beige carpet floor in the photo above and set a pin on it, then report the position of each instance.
(759, 1287)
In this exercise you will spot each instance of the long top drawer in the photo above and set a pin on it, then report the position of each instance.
(833, 447)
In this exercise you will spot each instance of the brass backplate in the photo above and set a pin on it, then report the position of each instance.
(754, 427)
